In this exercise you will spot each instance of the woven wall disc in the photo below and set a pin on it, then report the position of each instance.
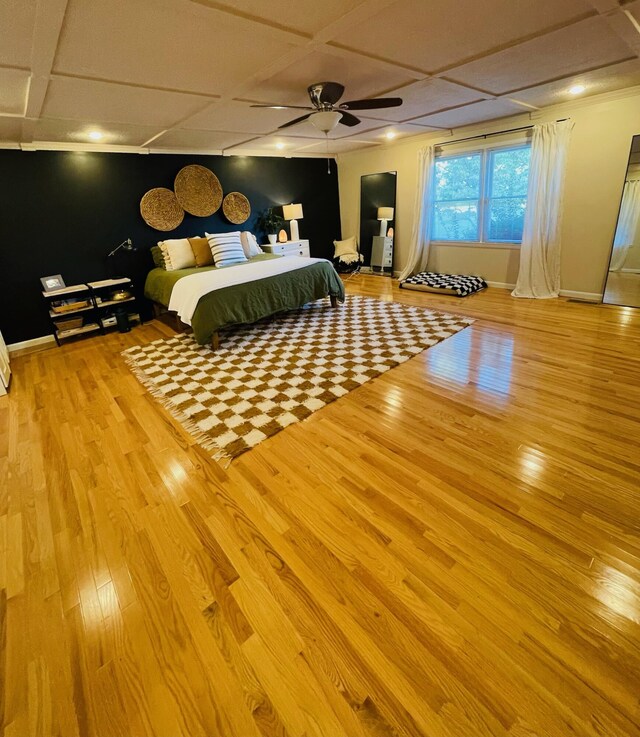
(198, 190)
(236, 208)
(160, 209)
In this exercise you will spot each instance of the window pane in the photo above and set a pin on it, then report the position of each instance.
(457, 178)
(509, 172)
(508, 179)
(455, 221)
(506, 218)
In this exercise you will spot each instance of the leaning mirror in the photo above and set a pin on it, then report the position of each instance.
(377, 213)
(622, 286)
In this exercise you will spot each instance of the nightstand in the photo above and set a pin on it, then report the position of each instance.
(382, 253)
(290, 248)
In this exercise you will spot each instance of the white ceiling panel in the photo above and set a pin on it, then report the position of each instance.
(17, 18)
(469, 114)
(104, 102)
(336, 147)
(361, 78)
(611, 78)
(198, 140)
(430, 35)
(422, 98)
(74, 131)
(13, 91)
(239, 116)
(10, 129)
(162, 44)
(580, 47)
(398, 130)
(276, 145)
(305, 16)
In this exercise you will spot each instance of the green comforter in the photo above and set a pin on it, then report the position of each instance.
(246, 303)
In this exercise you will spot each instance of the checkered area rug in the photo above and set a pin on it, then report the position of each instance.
(269, 375)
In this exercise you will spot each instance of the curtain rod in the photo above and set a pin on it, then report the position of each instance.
(489, 135)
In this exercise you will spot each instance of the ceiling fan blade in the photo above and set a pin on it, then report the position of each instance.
(331, 92)
(296, 120)
(375, 103)
(325, 93)
(286, 107)
(348, 119)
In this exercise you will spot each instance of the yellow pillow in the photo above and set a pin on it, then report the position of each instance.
(201, 251)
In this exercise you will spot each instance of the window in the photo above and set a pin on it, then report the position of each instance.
(480, 196)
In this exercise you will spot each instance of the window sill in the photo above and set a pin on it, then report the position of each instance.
(477, 244)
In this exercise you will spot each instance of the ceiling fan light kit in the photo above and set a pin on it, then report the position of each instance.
(326, 120)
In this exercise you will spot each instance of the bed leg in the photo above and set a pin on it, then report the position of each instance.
(334, 300)
(215, 341)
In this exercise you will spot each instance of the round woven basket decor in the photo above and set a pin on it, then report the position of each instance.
(198, 190)
(236, 208)
(160, 209)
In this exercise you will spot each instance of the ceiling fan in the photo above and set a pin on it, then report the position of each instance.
(326, 113)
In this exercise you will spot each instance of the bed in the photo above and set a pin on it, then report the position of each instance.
(209, 298)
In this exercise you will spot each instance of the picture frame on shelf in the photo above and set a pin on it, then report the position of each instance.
(51, 283)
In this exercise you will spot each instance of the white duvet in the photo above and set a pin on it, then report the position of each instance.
(187, 291)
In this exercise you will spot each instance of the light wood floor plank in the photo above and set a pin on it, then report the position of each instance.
(452, 549)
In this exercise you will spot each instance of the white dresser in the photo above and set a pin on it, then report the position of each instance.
(5, 370)
(289, 248)
(382, 252)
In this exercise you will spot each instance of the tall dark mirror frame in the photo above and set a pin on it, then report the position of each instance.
(622, 284)
(377, 199)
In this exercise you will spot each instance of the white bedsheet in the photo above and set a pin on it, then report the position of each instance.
(187, 291)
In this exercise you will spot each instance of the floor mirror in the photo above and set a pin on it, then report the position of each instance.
(622, 286)
(377, 213)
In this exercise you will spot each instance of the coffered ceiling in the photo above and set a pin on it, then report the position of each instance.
(180, 75)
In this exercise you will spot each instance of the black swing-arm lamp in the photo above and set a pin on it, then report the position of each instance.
(126, 244)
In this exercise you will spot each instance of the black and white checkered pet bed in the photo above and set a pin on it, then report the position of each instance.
(456, 284)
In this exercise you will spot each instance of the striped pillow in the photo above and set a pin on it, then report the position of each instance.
(226, 248)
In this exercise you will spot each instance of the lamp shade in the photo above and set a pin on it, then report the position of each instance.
(292, 212)
(385, 213)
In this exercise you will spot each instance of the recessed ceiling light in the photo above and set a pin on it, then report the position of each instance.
(577, 89)
(390, 134)
(280, 145)
(95, 135)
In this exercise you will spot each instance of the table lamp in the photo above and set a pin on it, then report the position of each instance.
(293, 213)
(384, 214)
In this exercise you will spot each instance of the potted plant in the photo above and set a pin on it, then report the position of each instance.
(270, 222)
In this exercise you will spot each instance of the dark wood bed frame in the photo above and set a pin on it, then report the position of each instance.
(170, 318)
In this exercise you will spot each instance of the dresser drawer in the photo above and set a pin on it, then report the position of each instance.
(291, 248)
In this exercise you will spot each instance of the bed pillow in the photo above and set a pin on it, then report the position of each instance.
(345, 247)
(250, 244)
(158, 258)
(201, 251)
(226, 248)
(177, 254)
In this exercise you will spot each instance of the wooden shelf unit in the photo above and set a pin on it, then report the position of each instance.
(96, 317)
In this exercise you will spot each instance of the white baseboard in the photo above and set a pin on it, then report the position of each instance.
(583, 296)
(500, 284)
(42, 340)
(630, 271)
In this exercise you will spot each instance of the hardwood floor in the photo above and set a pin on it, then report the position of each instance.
(452, 549)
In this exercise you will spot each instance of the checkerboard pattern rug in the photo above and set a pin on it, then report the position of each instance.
(276, 372)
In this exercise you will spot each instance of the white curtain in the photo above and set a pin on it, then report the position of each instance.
(420, 235)
(539, 274)
(627, 224)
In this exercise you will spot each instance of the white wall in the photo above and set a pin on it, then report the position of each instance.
(596, 167)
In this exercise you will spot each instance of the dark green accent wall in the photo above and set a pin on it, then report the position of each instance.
(62, 212)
